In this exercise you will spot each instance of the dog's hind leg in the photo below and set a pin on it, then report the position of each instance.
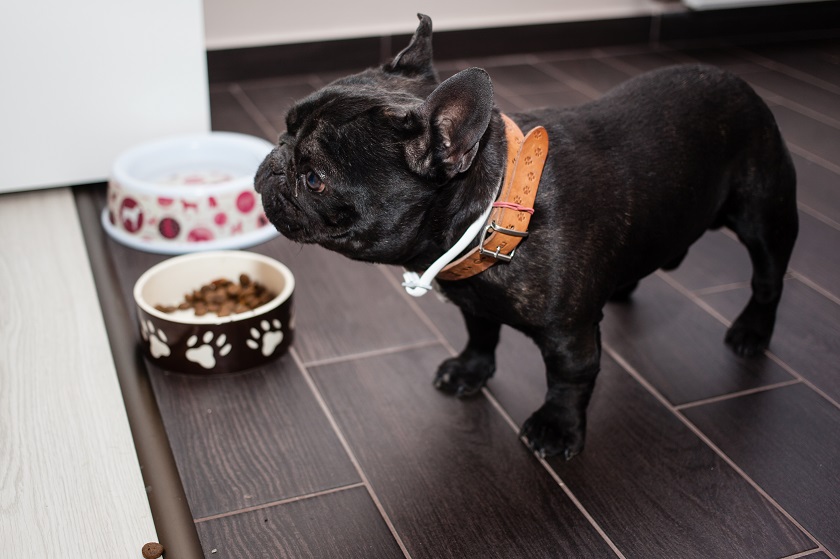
(766, 222)
(674, 263)
(622, 292)
(467, 373)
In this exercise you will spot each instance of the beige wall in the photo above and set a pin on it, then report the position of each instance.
(268, 22)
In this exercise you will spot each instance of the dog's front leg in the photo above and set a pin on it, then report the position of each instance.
(466, 374)
(572, 362)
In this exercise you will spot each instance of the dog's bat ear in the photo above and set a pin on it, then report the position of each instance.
(456, 114)
(416, 58)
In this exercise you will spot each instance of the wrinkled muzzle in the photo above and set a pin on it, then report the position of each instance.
(273, 170)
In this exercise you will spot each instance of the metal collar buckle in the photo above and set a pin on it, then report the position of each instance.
(497, 253)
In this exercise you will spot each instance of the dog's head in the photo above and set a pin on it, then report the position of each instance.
(366, 163)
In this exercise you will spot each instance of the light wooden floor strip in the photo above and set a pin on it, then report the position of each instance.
(70, 482)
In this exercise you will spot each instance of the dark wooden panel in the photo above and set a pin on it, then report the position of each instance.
(228, 115)
(813, 59)
(299, 58)
(802, 93)
(659, 492)
(643, 61)
(274, 98)
(807, 334)
(562, 98)
(245, 440)
(816, 137)
(451, 474)
(523, 78)
(715, 260)
(541, 37)
(786, 440)
(341, 525)
(815, 253)
(643, 472)
(525, 86)
(716, 56)
(753, 23)
(592, 72)
(679, 347)
(345, 307)
(506, 102)
(444, 316)
(818, 188)
(826, 49)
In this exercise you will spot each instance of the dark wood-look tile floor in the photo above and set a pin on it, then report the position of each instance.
(344, 449)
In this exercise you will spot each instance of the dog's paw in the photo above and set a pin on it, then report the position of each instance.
(463, 377)
(547, 434)
(747, 339)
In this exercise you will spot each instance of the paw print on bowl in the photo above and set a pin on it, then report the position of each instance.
(158, 344)
(205, 354)
(271, 335)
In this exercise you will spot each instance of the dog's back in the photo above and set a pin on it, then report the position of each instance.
(667, 155)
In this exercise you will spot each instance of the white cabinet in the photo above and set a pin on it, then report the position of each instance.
(82, 81)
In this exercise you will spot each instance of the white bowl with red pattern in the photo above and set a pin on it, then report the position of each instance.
(188, 193)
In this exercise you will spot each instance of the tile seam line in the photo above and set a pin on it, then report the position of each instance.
(348, 450)
(368, 354)
(615, 64)
(279, 502)
(555, 476)
(511, 95)
(814, 286)
(804, 554)
(573, 83)
(564, 55)
(825, 220)
(772, 97)
(412, 303)
(630, 370)
(723, 288)
(253, 111)
(813, 158)
(511, 423)
(782, 68)
(733, 395)
(720, 318)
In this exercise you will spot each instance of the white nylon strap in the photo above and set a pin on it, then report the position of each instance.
(417, 285)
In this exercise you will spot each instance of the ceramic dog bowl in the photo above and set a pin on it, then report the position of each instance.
(188, 193)
(184, 342)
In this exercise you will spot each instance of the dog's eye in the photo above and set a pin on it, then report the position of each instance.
(313, 181)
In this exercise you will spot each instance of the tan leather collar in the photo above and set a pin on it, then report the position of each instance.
(508, 222)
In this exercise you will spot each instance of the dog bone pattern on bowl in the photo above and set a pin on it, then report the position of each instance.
(210, 344)
(188, 193)
(184, 219)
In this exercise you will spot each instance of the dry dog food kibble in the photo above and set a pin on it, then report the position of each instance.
(152, 550)
(224, 297)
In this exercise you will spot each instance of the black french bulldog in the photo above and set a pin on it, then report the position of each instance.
(391, 166)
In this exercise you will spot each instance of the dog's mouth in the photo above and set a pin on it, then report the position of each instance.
(294, 220)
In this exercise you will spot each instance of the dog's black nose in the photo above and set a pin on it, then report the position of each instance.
(276, 163)
(270, 170)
